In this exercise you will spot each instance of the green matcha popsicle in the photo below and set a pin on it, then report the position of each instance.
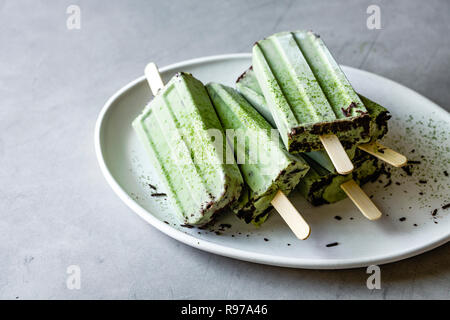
(248, 86)
(267, 168)
(177, 130)
(310, 99)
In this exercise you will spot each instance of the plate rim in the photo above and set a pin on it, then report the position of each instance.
(224, 250)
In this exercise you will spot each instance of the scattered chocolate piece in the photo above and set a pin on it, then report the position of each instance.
(225, 225)
(402, 219)
(166, 222)
(159, 195)
(152, 186)
(414, 162)
(334, 244)
(288, 244)
(232, 235)
(371, 196)
(446, 206)
(338, 218)
(435, 222)
(351, 218)
(423, 181)
(388, 184)
(446, 173)
(413, 150)
(186, 226)
(407, 170)
(415, 224)
(265, 239)
(398, 183)
(421, 193)
(434, 213)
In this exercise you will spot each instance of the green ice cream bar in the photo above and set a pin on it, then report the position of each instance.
(265, 165)
(321, 186)
(307, 93)
(248, 86)
(177, 130)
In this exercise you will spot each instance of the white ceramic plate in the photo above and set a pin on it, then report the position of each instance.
(418, 128)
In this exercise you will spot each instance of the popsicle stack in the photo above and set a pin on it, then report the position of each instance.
(294, 122)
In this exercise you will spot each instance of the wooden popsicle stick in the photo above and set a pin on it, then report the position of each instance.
(384, 153)
(153, 78)
(361, 200)
(337, 153)
(291, 216)
(281, 203)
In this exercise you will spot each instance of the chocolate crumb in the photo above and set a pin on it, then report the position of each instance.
(159, 195)
(423, 181)
(407, 170)
(402, 219)
(338, 218)
(415, 224)
(446, 206)
(152, 186)
(435, 222)
(421, 193)
(265, 239)
(413, 150)
(232, 235)
(371, 196)
(334, 244)
(388, 184)
(434, 213)
(398, 183)
(413, 162)
(186, 226)
(348, 111)
(288, 244)
(446, 173)
(166, 222)
(225, 226)
(351, 218)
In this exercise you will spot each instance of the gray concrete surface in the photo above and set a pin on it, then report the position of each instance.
(56, 208)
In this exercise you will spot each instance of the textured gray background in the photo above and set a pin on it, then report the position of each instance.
(56, 209)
